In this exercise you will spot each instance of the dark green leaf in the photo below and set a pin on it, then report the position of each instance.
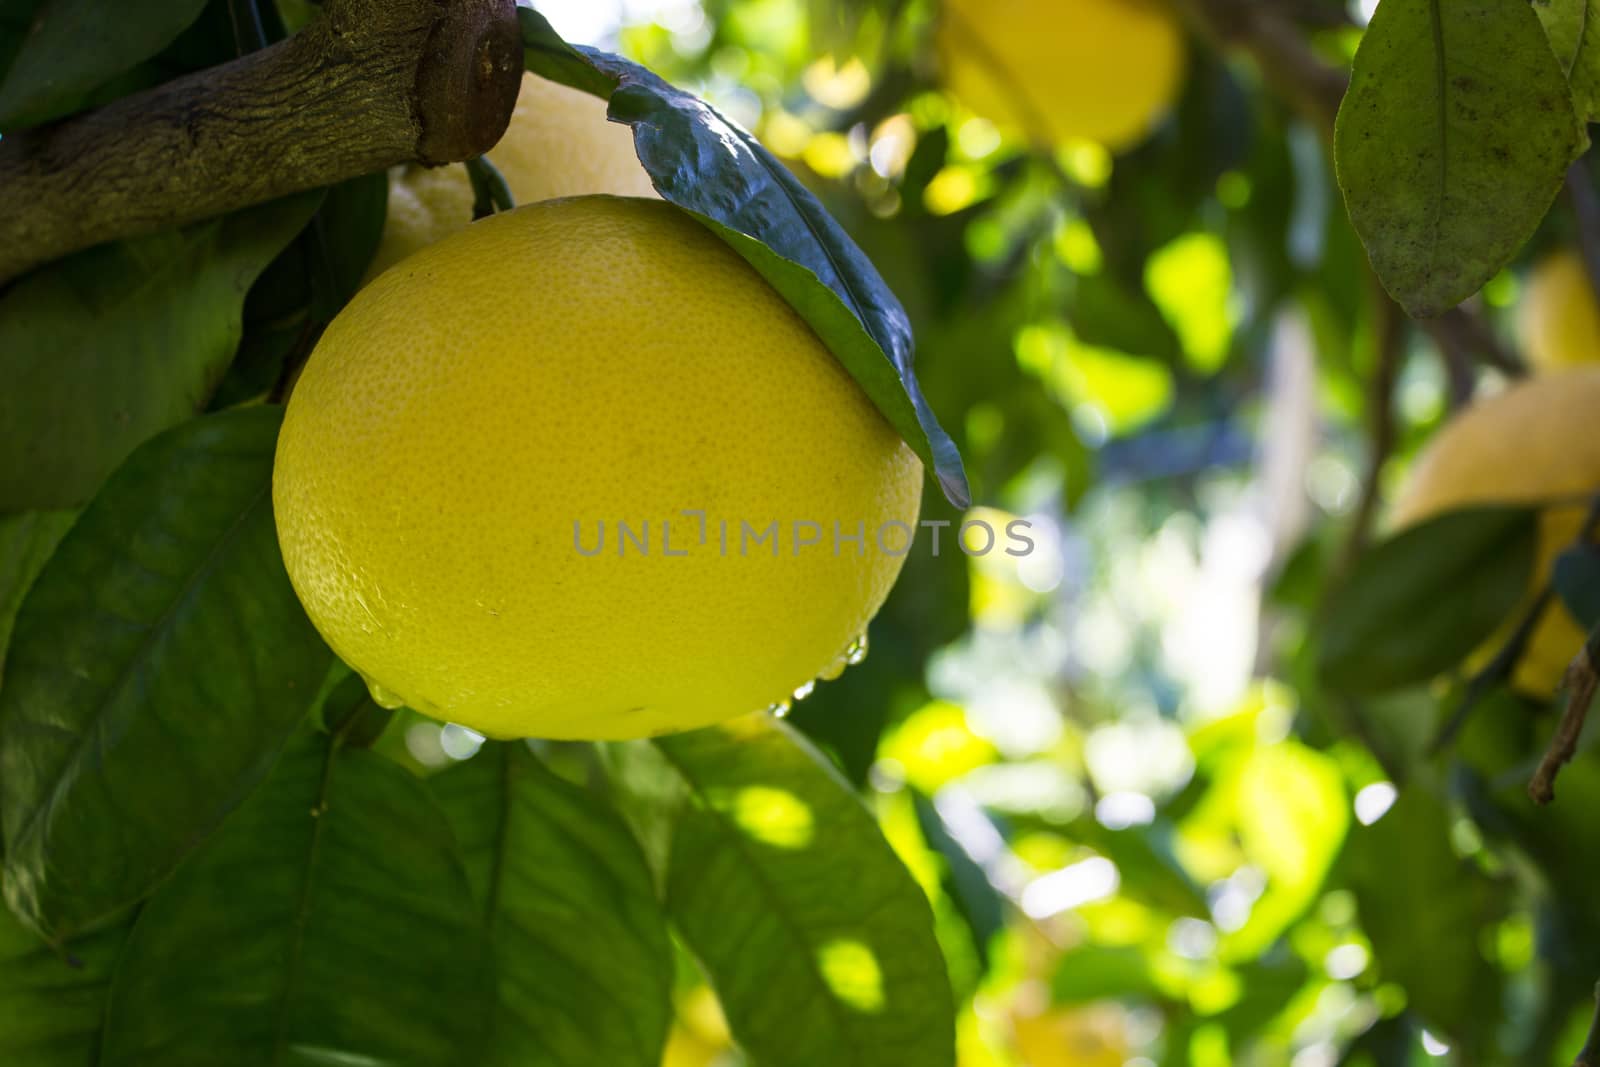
(110, 346)
(727, 179)
(818, 942)
(26, 542)
(329, 923)
(979, 902)
(158, 665)
(15, 17)
(1418, 603)
(1424, 909)
(1454, 138)
(51, 1003)
(1576, 578)
(73, 46)
(350, 712)
(580, 943)
(342, 238)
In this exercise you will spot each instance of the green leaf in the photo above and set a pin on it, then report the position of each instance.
(15, 18)
(331, 922)
(158, 665)
(114, 344)
(717, 172)
(963, 879)
(580, 943)
(1573, 27)
(26, 542)
(1576, 578)
(342, 238)
(1097, 972)
(1453, 139)
(305, 287)
(1418, 603)
(73, 46)
(1424, 909)
(818, 942)
(1292, 816)
(52, 1003)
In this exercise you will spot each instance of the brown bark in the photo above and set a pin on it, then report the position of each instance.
(371, 84)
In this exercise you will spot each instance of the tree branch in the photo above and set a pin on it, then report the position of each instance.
(1581, 683)
(371, 84)
(1390, 338)
(1268, 33)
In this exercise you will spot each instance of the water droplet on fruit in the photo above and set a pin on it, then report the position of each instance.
(778, 710)
(384, 698)
(857, 650)
(805, 690)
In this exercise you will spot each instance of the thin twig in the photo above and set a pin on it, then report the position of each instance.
(490, 193)
(1266, 31)
(1390, 335)
(1581, 683)
(1463, 334)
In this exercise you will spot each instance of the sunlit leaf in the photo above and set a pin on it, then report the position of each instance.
(1292, 817)
(818, 942)
(158, 664)
(580, 943)
(339, 907)
(1096, 972)
(1191, 281)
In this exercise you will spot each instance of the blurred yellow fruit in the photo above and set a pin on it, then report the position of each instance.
(1558, 321)
(1090, 1036)
(1535, 442)
(558, 143)
(686, 1049)
(699, 1034)
(1099, 70)
(473, 429)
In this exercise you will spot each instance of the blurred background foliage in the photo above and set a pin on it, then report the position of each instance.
(1198, 780)
(1150, 833)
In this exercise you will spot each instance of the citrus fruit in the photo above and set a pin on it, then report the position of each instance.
(1056, 70)
(578, 471)
(558, 143)
(1558, 321)
(1533, 443)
